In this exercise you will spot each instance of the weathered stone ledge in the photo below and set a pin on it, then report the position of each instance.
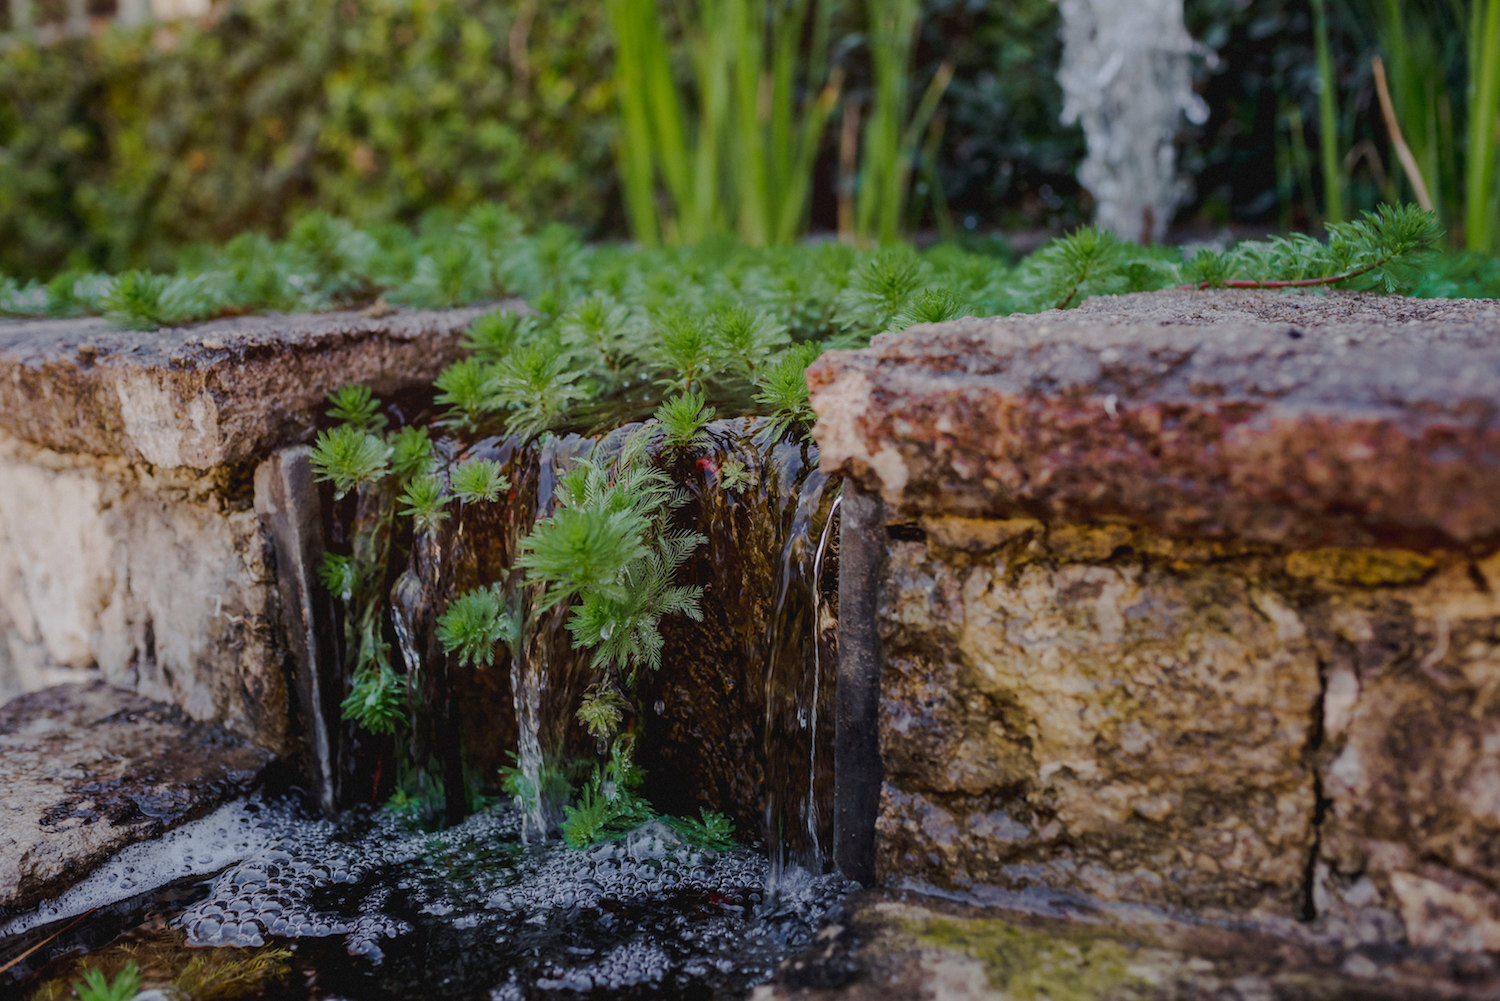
(210, 394)
(88, 770)
(1292, 420)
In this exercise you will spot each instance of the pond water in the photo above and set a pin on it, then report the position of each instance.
(370, 907)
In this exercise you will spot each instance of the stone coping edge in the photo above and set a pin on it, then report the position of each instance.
(1294, 421)
(210, 394)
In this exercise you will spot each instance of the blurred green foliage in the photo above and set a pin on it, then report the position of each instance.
(119, 149)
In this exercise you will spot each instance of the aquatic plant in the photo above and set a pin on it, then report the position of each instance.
(474, 624)
(423, 501)
(684, 420)
(139, 300)
(478, 480)
(123, 986)
(356, 406)
(783, 391)
(411, 452)
(347, 456)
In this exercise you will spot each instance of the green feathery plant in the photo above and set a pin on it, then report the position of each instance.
(348, 456)
(494, 335)
(783, 392)
(475, 624)
(1389, 249)
(537, 385)
(464, 388)
(139, 300)
(123, 986)
(478, 480)
(931, 305)
(451, 275)
(733, 475)
(744, 338)
(710, 830)
(423, 501)
(683, 349)
(377, 698)
(357, 407)
(411, 452)
(880, 289)
(684, 421)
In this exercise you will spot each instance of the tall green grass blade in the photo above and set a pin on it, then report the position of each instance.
(1481, 193)
(1328, 119)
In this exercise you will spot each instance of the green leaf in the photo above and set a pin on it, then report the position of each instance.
(356, 406)
(423, 501)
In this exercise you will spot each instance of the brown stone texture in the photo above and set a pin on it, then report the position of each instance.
(1312, 735)
(89, 769)
(212, 394)
(1193, 602)
(904, 947)
(1069, 712)
(1300, 420)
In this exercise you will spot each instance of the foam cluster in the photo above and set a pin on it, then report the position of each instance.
(645, 916)
(198, 848)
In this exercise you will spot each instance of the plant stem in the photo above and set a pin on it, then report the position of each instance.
(1328, 122)
(1481, 193)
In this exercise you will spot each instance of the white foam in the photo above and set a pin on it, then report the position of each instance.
(229, 834)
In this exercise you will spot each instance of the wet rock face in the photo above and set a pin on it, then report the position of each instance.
(207, 395)
(89, 769)
(1192, 601)
(1344, 419)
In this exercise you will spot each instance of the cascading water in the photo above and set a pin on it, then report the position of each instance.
(1127, 78)
(735, 720)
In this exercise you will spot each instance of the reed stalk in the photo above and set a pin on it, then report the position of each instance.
(733, 150)
(1328, 120)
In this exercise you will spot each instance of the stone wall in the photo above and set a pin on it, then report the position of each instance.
(158, 580)
(132, 545)
(1191, 600)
